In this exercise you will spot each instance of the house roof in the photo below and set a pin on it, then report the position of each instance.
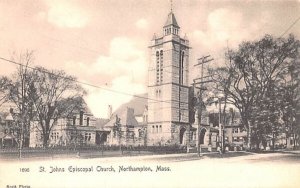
(214, 107)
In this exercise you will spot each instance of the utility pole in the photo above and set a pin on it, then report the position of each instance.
(22, 110)
(201, 61)
(220, 126)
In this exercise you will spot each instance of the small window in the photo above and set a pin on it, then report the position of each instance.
(156, 128)
(140, 133)
(81, 118)
(87, 136)
(235, 130)
(160, 129)
(192, 135)
(74, 120)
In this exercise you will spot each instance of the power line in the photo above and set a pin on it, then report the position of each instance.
(290, 27)
(84, 83)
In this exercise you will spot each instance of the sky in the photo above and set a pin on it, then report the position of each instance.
(105, 42)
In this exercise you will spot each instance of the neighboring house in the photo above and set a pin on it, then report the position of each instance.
(9, 131)
(234, 132)
(77, 129)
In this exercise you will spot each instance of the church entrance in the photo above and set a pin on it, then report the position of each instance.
(202, 135)
(182, 134)
(101, 137)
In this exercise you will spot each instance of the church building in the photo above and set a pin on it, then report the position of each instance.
(168, 90)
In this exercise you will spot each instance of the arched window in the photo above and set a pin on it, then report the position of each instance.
(157, 67)
(181, 68)
(74, 120)
(161, 65)
(202, 136)
(182, 136)
(87, 121)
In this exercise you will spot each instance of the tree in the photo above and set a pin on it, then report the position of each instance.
(291, 99)
(252, 77)
(4, 83)
(15, 90)
(54, 95)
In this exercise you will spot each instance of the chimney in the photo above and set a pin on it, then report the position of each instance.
(109, 111)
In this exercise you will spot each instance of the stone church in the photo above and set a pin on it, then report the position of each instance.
(168, 90)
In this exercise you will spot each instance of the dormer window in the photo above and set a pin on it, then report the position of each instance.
(81, 118)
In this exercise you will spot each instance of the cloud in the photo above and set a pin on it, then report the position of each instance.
(223, 22)
(124, 59)
(64, 14)
(142, 23)
(119, 92)
(124, 70)
(228, 25)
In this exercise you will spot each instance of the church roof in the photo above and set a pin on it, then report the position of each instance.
(128, 111)
(138, 103)
(100, 123)
(171, 20)
(126, 118)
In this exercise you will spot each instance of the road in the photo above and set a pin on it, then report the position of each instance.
(177, 170)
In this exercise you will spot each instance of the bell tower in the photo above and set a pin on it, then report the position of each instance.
(168, 86)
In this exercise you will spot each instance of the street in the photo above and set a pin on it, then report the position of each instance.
(174, 170)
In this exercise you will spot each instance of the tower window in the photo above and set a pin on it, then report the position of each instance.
(159, 66)
(181, 67)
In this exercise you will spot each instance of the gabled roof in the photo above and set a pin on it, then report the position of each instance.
(9, 117)
(126, 118)
(138, 103)
(100, 123)
(171, 20)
